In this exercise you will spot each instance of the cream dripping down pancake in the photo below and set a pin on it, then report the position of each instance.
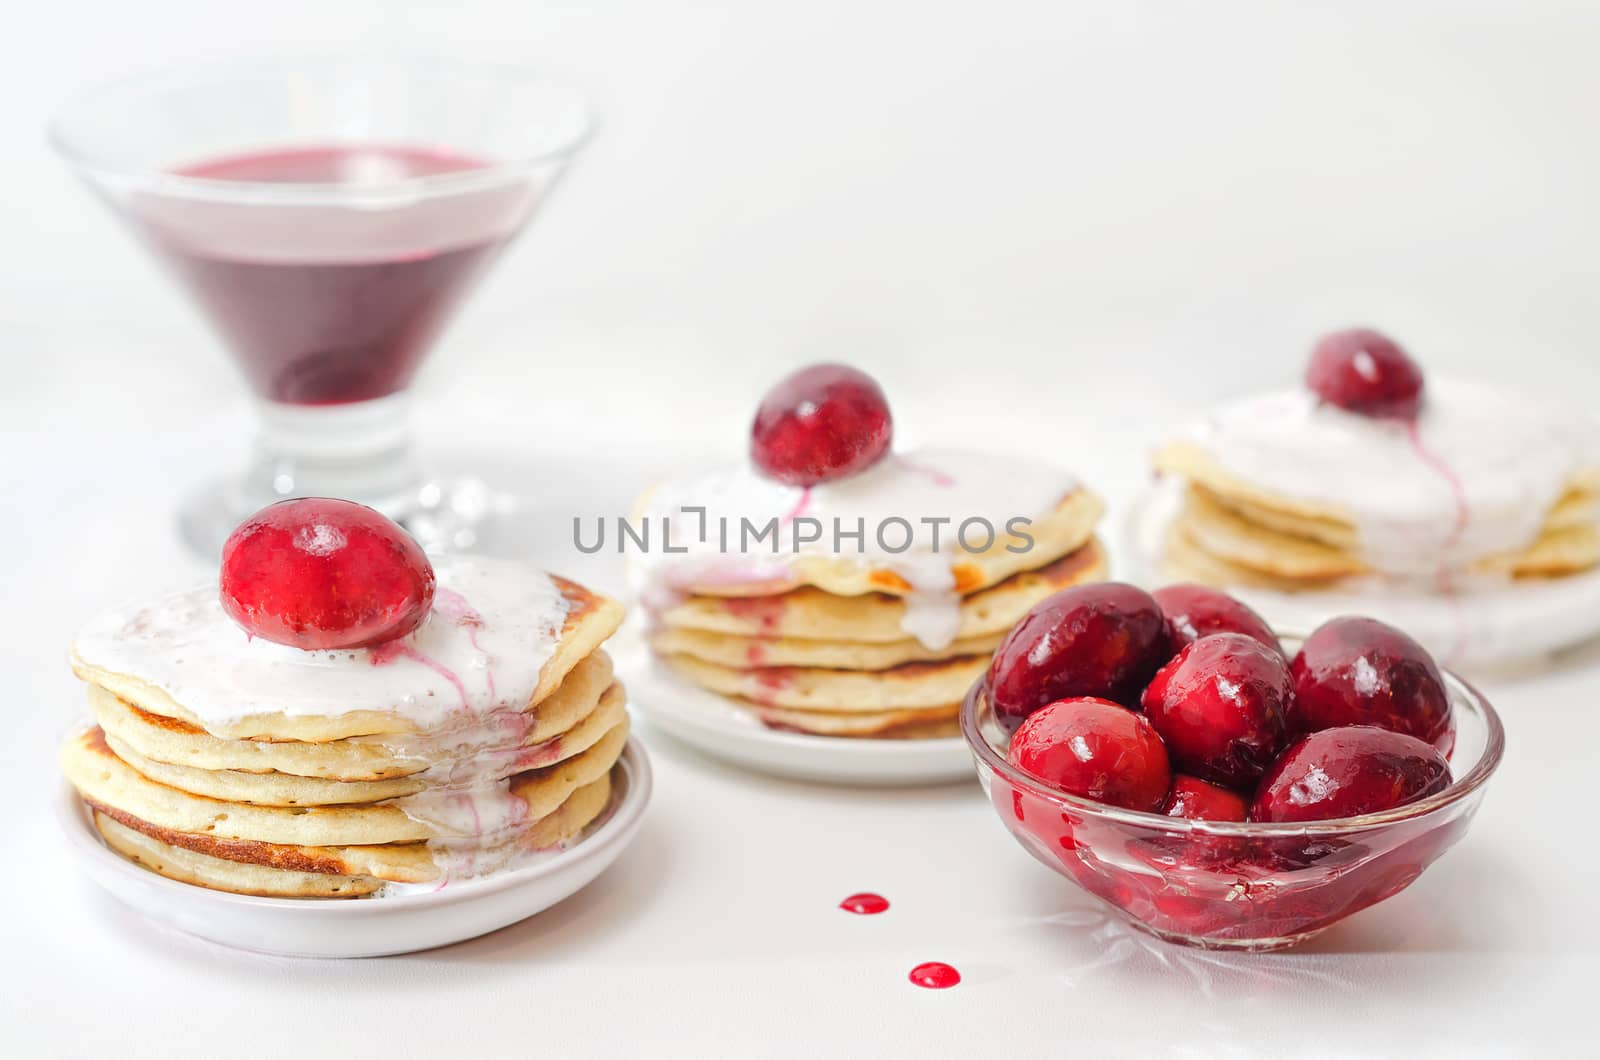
(902, 523)
(456, 708)
(1476, 476)
(1462, 513)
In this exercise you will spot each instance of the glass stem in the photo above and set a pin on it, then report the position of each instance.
(361, 451)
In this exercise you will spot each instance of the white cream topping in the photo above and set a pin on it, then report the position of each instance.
(462, 678)
(1476, 475)
(493, 626)
(934, 492)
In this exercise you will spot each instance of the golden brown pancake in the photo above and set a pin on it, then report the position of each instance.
(245, 867)
(110, 784)
(875, 618)
(360, 758)
(913, 686)
(285, 789)
(591, 618)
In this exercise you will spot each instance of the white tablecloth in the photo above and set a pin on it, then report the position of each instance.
(1041, 228)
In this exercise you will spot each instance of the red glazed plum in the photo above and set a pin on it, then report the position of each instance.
(1097, 749)
(1195, 611)
(824, 422)
(1366, 372)
(1358, 671)
(1347, 772)
(319, 573)
(1196, 800)
(1219, 706)
(1090, 640)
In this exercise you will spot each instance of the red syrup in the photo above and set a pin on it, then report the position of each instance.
(326, 303)
(935, 975)
(769, 682)
(384, 654)
(1443, 469)
(454, 607)
(933, 474)
(865, 904)
(800, 507)
(765, 611)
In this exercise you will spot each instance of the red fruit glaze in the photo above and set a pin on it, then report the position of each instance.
(1194, 611)
(1097, 749)
(318, 573)
(1346, 772)
(865, 904)
(1090, 640)
(821, 423)
(1364, 371)
(1196, 800)
(935, 975)
(1219, 705)
(1359, 671)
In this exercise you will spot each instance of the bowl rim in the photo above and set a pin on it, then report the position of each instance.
(1459, 689)
(494, 172)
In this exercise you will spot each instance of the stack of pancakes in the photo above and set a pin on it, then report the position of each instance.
(1231, 532)
(340, 805)
(827, 649)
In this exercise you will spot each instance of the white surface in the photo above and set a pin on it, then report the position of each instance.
(709, 723)
(1054, 225)
(403, 923)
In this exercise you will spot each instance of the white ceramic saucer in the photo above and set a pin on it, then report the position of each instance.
(706, 721)
(1493, 627)
(368, 927)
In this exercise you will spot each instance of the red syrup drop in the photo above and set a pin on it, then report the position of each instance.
(935, 975)
(865, 904)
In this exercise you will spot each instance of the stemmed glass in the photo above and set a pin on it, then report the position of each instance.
(328, 216)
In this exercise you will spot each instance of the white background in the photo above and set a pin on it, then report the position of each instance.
(1050, 226)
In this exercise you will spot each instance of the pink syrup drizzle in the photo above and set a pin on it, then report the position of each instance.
(933, 474)
(453, 606)
(865, 904)
(800, 508)
(1458, 492)
(935, 975)
(777, 725)
(1442, 468)
(763, 610)
(771, 681)
(384, 654)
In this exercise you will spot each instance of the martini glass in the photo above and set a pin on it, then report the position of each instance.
(328, 218)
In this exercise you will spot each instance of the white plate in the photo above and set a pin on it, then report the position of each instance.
(367, 927)
(708, 722)
(1478, 628)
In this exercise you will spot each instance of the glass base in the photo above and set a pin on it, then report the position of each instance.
(361, 452)
(1202, 942)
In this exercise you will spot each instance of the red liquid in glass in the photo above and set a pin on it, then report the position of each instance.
(330, 303)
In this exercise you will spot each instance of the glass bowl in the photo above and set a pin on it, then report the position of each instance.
(1226, 885)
